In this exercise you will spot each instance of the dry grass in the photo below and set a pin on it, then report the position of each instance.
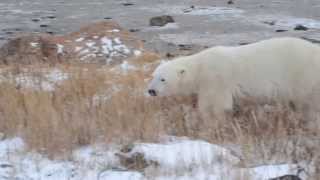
(86, 108)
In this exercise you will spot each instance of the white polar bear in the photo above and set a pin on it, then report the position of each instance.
(285, 68)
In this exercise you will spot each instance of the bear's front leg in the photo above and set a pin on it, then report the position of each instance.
(214, 105)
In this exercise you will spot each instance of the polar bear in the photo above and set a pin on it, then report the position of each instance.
(284, 68)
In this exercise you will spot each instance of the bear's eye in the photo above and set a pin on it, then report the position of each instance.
(163, 80)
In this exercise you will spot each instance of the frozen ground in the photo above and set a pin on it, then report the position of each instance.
(178, 159)
(202, 23)
(198, 23)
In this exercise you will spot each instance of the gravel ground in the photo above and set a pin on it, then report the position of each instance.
(199, 23)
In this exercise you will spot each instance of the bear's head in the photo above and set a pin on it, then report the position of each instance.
(171, 78)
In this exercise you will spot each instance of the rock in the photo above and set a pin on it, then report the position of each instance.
(127, 148)
(300, 27)
(51, 17)
(5, 165)
(230, 2)
(287, 177)
(134, 30)
(161, 20)
(243, 43)
(186, 47)
(316, 41)
(127, 4)
(271, 23)
(35, 20)
(281, 30)
(135, 161)
(44, 25)
(102, 42)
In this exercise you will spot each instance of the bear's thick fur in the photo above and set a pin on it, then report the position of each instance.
(287, 69)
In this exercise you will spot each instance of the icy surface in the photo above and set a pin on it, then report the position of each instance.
(186, 153)
(99, 161)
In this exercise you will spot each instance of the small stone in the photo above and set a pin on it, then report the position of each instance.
(161, 20)
(135, 161)
(169, 55)
(127, 148)
(243, 43)
(316, 41)
(127, 4)
(6, 166)
(281, 30)
(51, 17)
(35, 20)
(300, 27)
(185, 47)
(230, 2)
(134, 30)
(44, 25)
(271, 23)
(287, 177)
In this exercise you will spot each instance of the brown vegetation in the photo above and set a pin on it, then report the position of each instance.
(101, 104)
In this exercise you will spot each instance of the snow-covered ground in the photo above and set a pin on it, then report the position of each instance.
(45, 79)
(177, 159)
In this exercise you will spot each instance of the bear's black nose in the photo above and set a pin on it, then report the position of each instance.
(152, 92)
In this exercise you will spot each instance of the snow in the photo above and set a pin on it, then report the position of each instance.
(10, 146)
(79, 39)
(114, 30)
(271, 171)
(77, 49)
(137, 52)
(186, 153)
(90, 44)
(60, 48)
(108, 47)
(43, 80)
(121, 175)
(34, 44)
(203, 161)
(125, 66)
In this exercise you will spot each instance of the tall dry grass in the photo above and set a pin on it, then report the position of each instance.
(101, 104)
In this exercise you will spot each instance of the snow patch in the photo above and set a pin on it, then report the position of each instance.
(121, 175)
(98, 161)
(90, 44)
(34, 44)
(80, 39)
(60, 48)
(43, 80)
(186, 153)
(137, 52)
(114, 30)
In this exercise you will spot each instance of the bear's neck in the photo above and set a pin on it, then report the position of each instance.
(193, 76)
